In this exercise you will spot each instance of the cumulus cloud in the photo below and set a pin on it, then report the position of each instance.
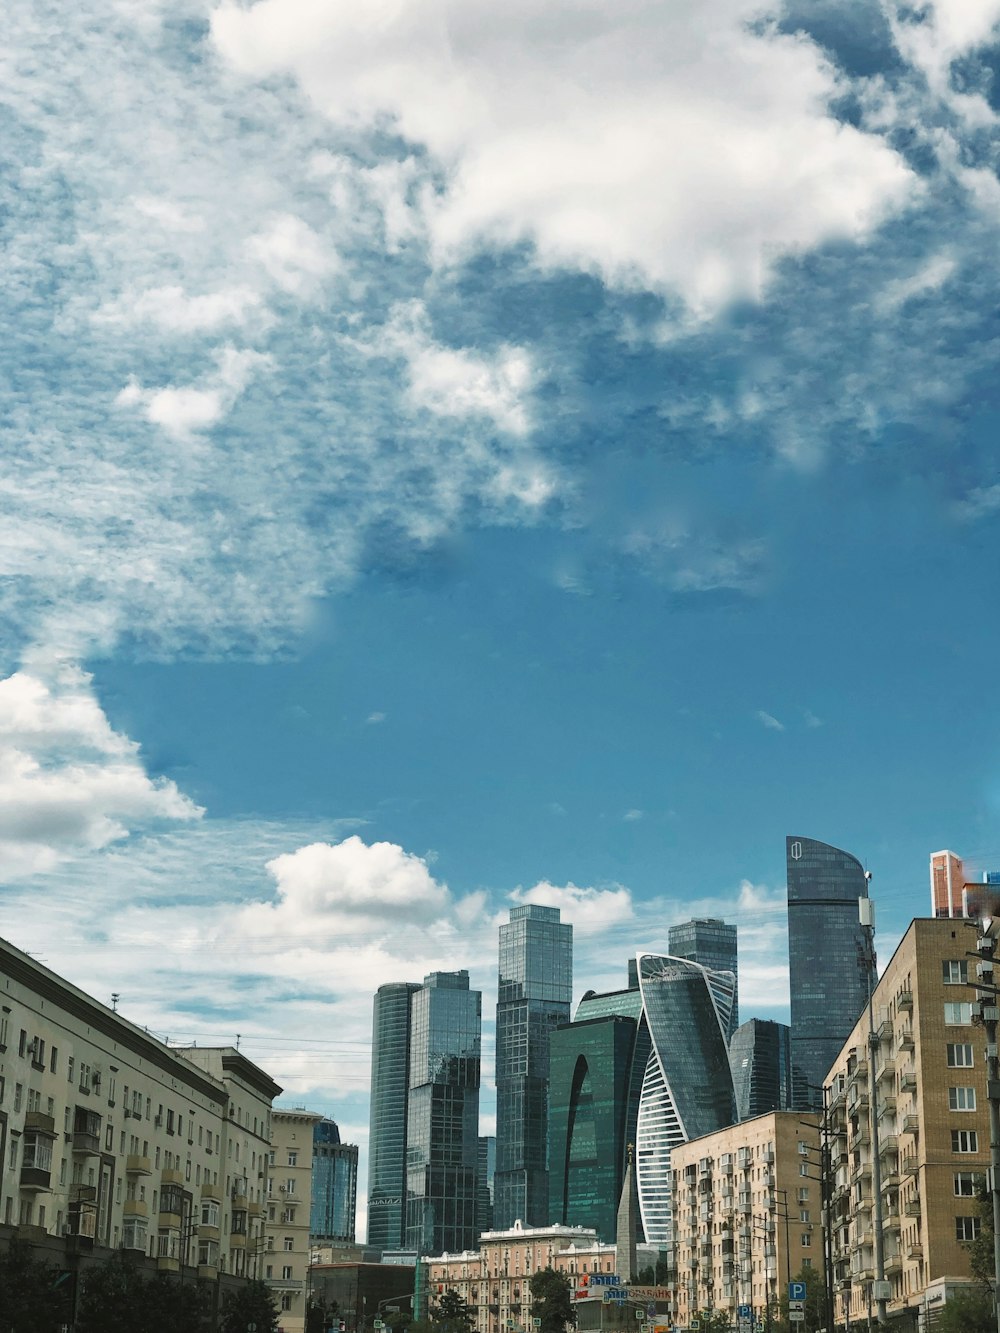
(609, 136)
(590, 910)
(184, 411)
(69, 783)
(324, 883)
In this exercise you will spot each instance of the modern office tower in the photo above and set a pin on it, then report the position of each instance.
(389, 1099)
(712, 943)
(828, 971)
(932, 1116)
(646, 1066)
(760, 1056)
(442, 1123)
(747, 1216)
(486, 1165)
(334, 1186)
(534, 995)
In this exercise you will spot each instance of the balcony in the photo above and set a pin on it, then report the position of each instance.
(910, 1164)
(136, 1165)
(168, 1176)
(908, 1080)
(210, 1191)
(912, 1207)
(135, 1208)
(904, 1000)
(915, 1250)
(887, 1105)
(35, 1179)
(905, 1037)
(888, 1143)
(893, 1264)
(886, 1070)
(287, 1284)
(40, 1123)
(911, 1124)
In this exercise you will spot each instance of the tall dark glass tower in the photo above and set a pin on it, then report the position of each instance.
(535, 991)
(827, 972)
(760, 1056)
(387, 1136)
(334, 1185)
(442, 1123)
(712, 943)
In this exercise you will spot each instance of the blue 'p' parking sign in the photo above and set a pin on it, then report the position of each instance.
(796, 1291)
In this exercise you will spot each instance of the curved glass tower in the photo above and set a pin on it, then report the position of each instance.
(646, 1066)
(687, 1087)
(828, 974)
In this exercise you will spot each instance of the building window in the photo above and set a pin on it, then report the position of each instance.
(958, 1014)
(966, 1183)
(955, 972)
(286, 1300)
(286, 1272)
(961, 1099)
(960, 1055)
(967, 1228)
(807, 1238)
(964, 1140)
(289, 1243)
(803, 1214)
(293, 1157)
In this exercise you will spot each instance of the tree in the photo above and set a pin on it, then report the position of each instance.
(814, 1306)
(967, 1312)
(117, 1298)
(451, 1314)
(550, 1300)
(252, 1304)
(647, 1276)
(32, 1292)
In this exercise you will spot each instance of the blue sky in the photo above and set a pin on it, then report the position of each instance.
(454, 455)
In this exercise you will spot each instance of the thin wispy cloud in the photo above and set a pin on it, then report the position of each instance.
(769, 721)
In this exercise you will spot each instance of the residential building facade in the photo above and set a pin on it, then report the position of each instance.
(109, 1139)
(534, 995)
(493, 1279)
(713, 944)
(289, 1193)
(932, 1121)
(333, 1204)
(747, 1215)
(828, 967)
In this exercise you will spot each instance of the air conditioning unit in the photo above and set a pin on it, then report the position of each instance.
(283, 1189)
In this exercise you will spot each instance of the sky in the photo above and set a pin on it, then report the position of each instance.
(456, 455)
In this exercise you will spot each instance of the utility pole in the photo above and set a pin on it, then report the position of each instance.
(825, 1180)
(986, 1011)
(866, 915)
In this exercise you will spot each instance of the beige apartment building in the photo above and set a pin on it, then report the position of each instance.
(932, 1121)
(493, 1280)
(110, 1139)
(289, 1200)
(747, 1213)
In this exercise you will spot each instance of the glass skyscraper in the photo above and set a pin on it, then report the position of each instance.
(534, 995)
(760, 1055)
(334, 1185)
(647, 1066)
(442, 1123)
(827, 969)
(389, 1099)
(712, 943)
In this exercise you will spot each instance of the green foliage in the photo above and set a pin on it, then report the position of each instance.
(981, 1249)
(647, 1276)
(714, 1321)
(451, 1314)
(32, 1300)
(252, 1304)
(550, 1300)
(814, 1308)
(967, 1312)
(116, 1297)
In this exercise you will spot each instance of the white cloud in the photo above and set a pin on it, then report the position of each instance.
(640, 142)
(633, 816)
(185, 411)
(174, 311)
(936, 35)
(769, 720)
(590, 910)
(68, 782)
(979, 503)
(297, 259)
(929, 278)
(321, 885)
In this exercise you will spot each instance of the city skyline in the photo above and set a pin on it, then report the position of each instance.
(485, 456)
